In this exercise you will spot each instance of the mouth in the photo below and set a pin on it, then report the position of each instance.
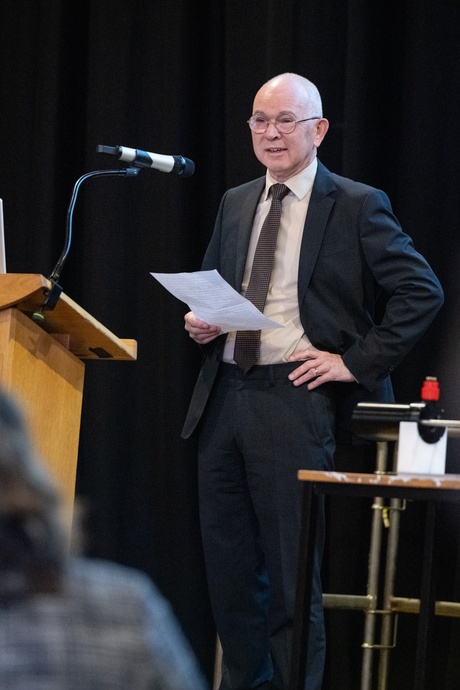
(275, 150)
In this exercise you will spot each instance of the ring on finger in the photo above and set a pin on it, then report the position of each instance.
(315, 370)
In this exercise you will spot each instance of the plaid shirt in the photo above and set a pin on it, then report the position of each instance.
(108, 629)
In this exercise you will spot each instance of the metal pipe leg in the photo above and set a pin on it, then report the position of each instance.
(372, 591)
(387, 634)
(373, 574)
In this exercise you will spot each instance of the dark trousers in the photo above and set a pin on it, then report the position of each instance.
(258, 430)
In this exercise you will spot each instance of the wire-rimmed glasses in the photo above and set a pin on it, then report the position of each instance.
(285, 124)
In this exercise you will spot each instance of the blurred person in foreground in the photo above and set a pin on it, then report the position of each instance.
(73, 623)
(339, 251)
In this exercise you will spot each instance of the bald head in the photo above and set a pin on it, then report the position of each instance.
(303, 90)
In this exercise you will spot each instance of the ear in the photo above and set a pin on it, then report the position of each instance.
(322, 126)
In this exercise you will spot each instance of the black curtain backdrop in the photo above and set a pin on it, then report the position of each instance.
(179, 78)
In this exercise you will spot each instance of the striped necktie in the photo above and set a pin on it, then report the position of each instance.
(247, 343)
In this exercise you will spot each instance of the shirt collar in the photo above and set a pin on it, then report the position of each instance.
(299, 184)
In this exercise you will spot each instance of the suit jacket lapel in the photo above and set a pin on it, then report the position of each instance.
(319, 209)
(248, 211)
(318, 213)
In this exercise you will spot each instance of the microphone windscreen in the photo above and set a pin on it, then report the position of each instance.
(189, 168)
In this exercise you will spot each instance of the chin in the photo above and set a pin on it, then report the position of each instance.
(276, 168)
(278, 172)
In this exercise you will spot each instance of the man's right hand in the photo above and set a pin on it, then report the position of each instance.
(200, 331)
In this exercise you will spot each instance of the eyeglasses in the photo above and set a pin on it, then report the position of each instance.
(284, 123)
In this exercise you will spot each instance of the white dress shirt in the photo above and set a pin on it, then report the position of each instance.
(282, 303)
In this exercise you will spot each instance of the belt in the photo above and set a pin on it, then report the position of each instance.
(259, 372)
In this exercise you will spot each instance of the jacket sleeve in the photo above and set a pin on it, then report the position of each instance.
(412, 292)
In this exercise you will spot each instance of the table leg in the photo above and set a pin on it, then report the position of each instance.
(427, 602)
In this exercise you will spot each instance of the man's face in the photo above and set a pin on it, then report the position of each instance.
(286, 155)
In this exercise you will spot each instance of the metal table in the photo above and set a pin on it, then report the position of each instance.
(428, 488)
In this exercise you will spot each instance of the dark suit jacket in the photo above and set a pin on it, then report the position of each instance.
(353, 254)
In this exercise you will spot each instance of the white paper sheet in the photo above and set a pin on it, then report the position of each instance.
(213, 300)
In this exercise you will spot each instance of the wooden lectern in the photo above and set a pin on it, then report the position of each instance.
(41, 365)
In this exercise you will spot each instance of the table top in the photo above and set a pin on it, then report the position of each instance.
(409, 480)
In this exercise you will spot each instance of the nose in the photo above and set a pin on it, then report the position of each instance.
(271, 129)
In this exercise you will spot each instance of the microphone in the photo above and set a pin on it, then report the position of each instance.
(143, 159)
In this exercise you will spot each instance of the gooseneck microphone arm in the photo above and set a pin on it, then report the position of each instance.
(130, 172)
(55, 290)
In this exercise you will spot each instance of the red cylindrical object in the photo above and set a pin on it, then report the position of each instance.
(430, 388)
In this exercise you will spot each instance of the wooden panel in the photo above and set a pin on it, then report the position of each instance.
(15, 287)
(47, 381)
(88, 339)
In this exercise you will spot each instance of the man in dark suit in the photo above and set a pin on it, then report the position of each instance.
(339, 251)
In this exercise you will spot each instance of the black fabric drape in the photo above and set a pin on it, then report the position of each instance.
(179, 78)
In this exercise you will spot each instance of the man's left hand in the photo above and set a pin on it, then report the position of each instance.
(319, 367)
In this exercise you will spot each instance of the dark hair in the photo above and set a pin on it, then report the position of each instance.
(32, 545)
